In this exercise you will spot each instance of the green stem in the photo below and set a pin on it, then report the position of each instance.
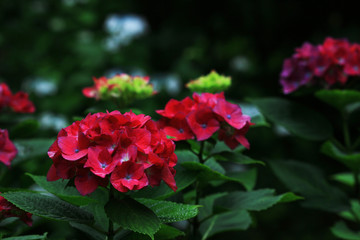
(200, 155)
(196, 222)
(111, 233)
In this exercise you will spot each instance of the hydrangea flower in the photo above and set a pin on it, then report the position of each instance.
(123, 87)
(8, 150)
(203, 116)
(128, 149)
(329, 63)
(212, 83)
(8, 209)
(18, 102)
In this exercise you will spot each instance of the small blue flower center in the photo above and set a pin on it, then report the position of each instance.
(103, 165)
(128, 176)
(203, 125)
(76, 150)
(181, 130)
(228, 116)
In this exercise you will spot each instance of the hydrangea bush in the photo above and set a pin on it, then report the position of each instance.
(187, 172)
(117, 174)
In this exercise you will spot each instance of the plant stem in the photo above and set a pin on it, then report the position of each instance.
(111, 233)
(196, 222)
(348, 148)
(200, 155)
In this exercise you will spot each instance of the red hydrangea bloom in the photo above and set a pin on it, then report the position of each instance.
(8, 150)
(123, 148)
(18, 102)
(329, 63)
(94, 92)
(203, 123)
(352, 63)
(8, 209)
(203, 116)
(5, 95)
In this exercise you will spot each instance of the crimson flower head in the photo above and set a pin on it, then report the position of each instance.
(8, 209)
(202, 117)
(128, 150)
(326, 64)
(18, 102)
(8, 150)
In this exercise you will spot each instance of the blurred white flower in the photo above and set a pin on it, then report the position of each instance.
(40, 86)
(123, 29)
(171, 83)
(51, 121)
(240, 63)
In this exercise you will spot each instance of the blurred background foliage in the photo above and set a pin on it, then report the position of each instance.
(52, 49)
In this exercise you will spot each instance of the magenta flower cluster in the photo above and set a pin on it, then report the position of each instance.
(326, 64)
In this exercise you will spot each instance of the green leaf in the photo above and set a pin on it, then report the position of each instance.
(257, 200)
(205, 173)
(168, 211)
(342, 231)
(238, 158)
(183, 179)
(256, 116)
(132, 215)
(61, 190)
(297, 119)
(309, 181)
(346, 178)
(88, 230)
(246, 178)
(352, 161)
(194, 145)
(186, 156)
(27, 237)
(220, 147)
(228, 221)
(97, 208)
(337, 98)
(354, 213)
(213, 165)
(208, 205)
(166, 232)
(48, 207)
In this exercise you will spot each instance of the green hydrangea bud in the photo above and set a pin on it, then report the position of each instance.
(212, 83)
(123, 88)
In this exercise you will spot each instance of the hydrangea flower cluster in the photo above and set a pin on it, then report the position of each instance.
(329, 63)
(211, 83)
(123, 87)
(128, 149)
(204, 115)
(8, 209)
(8, 150)
(18, 102)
